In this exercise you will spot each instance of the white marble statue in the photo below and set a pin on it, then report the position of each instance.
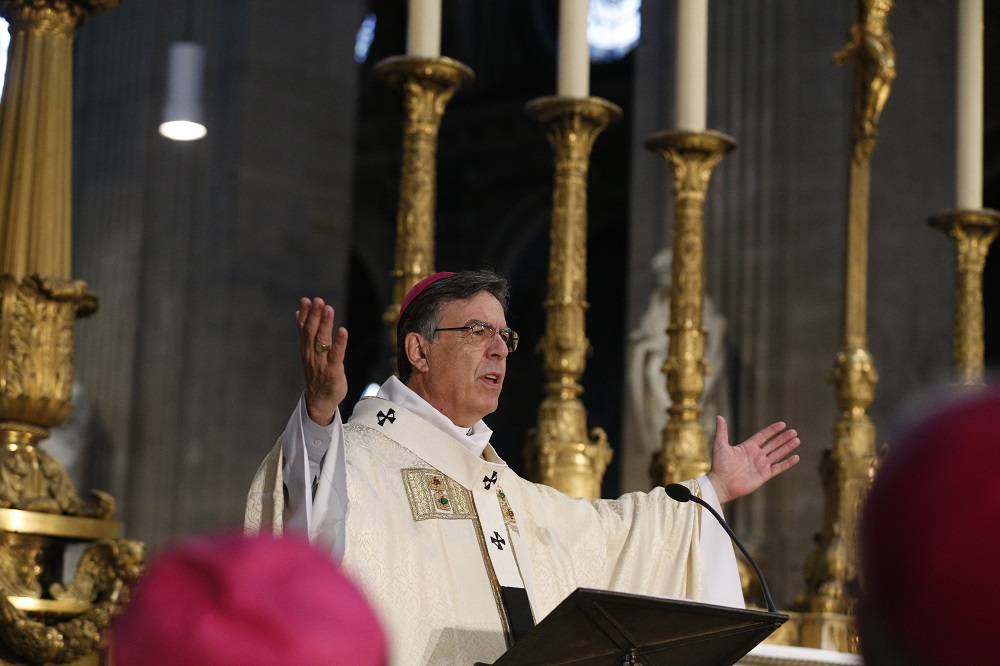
(647, 399)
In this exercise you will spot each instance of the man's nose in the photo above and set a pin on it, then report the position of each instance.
(498, 346)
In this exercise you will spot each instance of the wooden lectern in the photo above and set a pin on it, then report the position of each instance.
(601, 628)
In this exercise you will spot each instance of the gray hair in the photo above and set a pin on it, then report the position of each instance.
(424, 312)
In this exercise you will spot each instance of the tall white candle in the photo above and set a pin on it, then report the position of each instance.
(423, 28)
(574, 53)
(692, 64)
(969, 106)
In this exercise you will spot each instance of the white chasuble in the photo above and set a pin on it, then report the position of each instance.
(435, 534)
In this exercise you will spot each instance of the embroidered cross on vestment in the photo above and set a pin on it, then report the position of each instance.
(389, 416)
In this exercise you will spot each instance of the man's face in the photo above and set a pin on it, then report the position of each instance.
(463, 377)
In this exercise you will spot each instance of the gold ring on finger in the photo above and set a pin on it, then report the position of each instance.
(320, 347)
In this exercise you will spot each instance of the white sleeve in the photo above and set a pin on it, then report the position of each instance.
(720, 577)
(315, 479)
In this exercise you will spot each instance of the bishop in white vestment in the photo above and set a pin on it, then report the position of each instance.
(457, 553)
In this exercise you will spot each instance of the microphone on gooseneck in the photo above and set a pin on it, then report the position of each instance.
(682, 494)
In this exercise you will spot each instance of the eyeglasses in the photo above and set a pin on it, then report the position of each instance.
(482, 334)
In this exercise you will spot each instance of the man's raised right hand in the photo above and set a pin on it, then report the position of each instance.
(322, 359)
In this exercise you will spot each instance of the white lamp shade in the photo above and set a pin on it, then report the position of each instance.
(183, 113)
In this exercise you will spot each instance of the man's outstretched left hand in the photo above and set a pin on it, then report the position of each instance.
(739, 470)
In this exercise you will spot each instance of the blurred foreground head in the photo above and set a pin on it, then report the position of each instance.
(930, 540)
(246, 601)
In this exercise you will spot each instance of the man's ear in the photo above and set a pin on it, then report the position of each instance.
(415, 351)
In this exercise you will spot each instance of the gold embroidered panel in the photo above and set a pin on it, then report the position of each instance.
(434, 495)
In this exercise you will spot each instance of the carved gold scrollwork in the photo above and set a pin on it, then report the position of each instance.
(560, 452)
(428, 84)
(32, 480)
(972, 232)
(22, 562)
(36, 352)
(52, 17)
(107, 571)
(692, 157)
(102, 558)
(32, 10)
(40, 511)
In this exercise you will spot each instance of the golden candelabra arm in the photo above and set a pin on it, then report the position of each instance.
(428, 84)
(692, 156)
(559, 451)
(972, 231)
(848, 467)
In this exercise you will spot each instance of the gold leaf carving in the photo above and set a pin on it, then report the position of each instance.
(21, 564)
(111, 566)
(36, 349)
(32, 480)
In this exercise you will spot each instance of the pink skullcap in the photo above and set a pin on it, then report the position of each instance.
(930, 536)
(419, 287)
(246, 601)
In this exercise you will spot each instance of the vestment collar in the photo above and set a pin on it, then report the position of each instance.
(474, 439)
(437, 448)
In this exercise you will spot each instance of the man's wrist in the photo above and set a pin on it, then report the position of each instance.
(719, 487)
(319, 413)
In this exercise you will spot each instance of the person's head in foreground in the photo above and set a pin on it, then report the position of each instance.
(930, 541)
(231, 600)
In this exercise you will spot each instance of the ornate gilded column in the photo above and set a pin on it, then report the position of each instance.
(559, 452)
(972, 231)
(428, 84)
(692, 156)
(41, 619)
(848, 466)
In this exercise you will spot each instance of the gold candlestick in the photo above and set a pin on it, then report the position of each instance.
(39, 300)
(36, 123)
(40, 510)
(559, 451)
(972, 231)
(692, 156)
(848, 467)
(428, 84)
